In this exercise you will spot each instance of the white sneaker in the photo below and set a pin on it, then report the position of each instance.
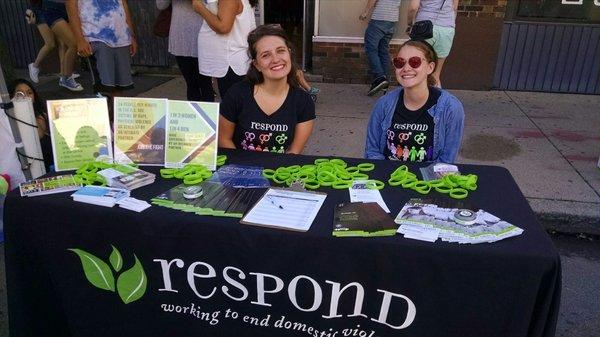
(70, 83)
(34, 73)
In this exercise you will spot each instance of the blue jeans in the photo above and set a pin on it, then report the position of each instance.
(377, 44)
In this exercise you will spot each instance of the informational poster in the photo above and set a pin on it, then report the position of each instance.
(80, 132)
(192, 134)
(140, 130)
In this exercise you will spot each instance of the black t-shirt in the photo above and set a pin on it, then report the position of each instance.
(257, 131)
(410, 135)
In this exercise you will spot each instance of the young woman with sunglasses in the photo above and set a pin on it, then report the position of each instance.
(268, 111)
(416, 122)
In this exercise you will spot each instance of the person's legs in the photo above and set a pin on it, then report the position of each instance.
(374, 34)
(442, 44)
(64, 34)
(199, 87)
(62, 49)
(383, 50)
(49, 44)
(224, 83)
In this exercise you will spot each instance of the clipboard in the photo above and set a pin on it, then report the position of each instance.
(285, 209)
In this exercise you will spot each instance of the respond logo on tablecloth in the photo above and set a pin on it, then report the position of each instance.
(130, 285)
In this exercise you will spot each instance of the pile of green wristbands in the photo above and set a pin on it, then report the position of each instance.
(333, 173)
(191, 174)
(455, 185)
(87, 173)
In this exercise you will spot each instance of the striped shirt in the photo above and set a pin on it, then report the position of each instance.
(386, 10)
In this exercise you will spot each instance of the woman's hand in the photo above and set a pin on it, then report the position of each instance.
(83, 47)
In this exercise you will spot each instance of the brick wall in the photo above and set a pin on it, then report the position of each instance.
(482, 8)
(346, 62)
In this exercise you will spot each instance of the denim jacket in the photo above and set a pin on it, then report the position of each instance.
(448, 117)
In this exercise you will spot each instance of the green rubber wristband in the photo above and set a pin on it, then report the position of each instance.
(409, 183)
(307, 175)
(443, 189)
(458, 193)
(324, 176)
(277, 181)
(325, 167)
(422, 187)
(338, 162)
(395, 181)
(435, 183)
(268, 173)
(341, 184)
(366, 167)
(282, 175)
(311, 184)
(282, 169)
(352, 169)
(374, 184)
(192, 180)
(360, 176)
(294, 168)
(308, 167)
(321, 160)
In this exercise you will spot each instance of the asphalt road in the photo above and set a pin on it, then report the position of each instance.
(579, 310)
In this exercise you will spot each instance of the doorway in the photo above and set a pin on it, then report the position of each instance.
(289, 14)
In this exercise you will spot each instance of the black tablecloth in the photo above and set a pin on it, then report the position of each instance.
(205, 274)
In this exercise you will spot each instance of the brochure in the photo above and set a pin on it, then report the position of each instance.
(362, 219)
(50, 185)
(140, 130)
(80, 132)
(127, 177)
(209, 198)
(240, 176)
(100, 195)
(191, 134)
(422, 218)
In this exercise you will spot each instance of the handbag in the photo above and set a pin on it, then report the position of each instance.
(423, 30)
(162, 24)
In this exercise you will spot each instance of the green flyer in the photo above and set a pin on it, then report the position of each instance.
(80, 132)
(192, 134)
(140, 130)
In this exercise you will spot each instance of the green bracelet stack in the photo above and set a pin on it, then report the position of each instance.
(87, 173)
(455, 185)
(334, 173)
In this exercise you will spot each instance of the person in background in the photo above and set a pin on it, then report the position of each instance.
(183, 44)
(442, 13)
(312, 91)
(23, 88)
(222, 46)
(269, 111)
(382, 25)
(416, 122)
(51, 20)
(105, 31)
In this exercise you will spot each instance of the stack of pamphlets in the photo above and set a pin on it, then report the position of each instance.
(423, 219)
(240, 176)
(133, 204)
(209, 198)
(127, 177)
(50, 185)
(362, 219)
(100, 195)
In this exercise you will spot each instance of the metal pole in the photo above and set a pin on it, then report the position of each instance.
(5, 100)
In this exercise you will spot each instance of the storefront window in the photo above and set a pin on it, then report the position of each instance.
(585, 11)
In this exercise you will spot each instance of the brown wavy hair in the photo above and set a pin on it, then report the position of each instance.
(430, 56)
(256, 77)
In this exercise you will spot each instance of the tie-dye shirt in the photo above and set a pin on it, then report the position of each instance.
(104, 21)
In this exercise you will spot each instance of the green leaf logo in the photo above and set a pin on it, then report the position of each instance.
(96, 270)
(115, 259)
(131, 285)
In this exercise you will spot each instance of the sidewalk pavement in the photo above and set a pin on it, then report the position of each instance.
(549, 142)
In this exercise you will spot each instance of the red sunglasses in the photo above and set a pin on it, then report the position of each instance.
(414, 62)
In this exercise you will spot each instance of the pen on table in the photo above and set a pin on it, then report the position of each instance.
(274, 203)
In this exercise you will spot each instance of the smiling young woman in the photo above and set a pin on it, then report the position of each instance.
(416, 122)
(268, 111)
